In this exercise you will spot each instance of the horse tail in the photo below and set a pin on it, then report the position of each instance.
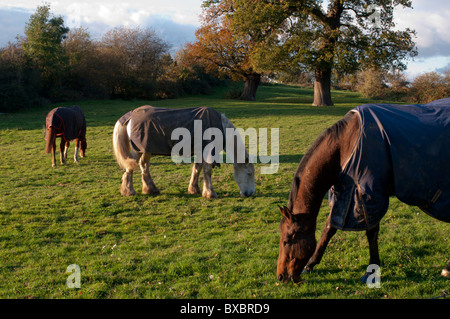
(122, 148)
(50, 139)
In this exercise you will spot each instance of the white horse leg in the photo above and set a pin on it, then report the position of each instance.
(54, 153)
(66, 150)
(75, 155)
(193, 183)
(126, 189)
(208, 191)
(62, 152)
(148, 186)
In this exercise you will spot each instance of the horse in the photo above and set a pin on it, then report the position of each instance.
(68, 123)
(148, 131)
(359, 193)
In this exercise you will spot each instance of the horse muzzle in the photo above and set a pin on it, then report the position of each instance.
(286, 278)
(247, 193)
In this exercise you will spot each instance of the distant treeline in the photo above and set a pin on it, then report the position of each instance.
(52, 64)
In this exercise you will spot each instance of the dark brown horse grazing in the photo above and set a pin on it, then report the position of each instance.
(69, 124)
(324, 167)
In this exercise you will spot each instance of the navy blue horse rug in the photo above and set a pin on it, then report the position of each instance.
(151, 127)
(402, 150)
(69, 122)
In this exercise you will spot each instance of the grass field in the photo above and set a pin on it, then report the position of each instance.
(176, 245)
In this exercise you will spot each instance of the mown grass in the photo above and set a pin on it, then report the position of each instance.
(177, 245)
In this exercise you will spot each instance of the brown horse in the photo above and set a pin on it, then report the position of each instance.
(319, 171)
(69, 124)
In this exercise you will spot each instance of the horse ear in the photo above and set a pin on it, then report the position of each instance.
(286, 212)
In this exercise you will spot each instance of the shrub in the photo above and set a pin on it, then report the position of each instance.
(371, 83)
(429, 87)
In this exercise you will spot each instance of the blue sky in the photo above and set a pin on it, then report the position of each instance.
(176, 21)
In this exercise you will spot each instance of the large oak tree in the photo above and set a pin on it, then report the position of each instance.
(347, 36)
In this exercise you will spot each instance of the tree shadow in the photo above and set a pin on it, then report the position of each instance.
(276, 100)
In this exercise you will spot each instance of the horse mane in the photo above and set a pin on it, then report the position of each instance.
(331, 134)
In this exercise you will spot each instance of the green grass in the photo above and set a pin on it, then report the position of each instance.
(177, 245)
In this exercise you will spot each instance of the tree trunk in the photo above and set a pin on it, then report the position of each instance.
(322, 88)
(251, 85)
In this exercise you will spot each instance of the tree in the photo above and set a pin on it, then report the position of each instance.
(82, 68)
(136, 57)
(430, 86)
(222, 51)
(44, 34)
(350, 35)
(371, 83)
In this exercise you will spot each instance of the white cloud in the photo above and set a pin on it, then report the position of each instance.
(176, 21)
(117, 12)
(432, 26)
(430, 64)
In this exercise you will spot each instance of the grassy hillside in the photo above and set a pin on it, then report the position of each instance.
(176, 245)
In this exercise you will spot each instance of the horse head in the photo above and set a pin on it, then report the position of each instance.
(244, 175)
(297, 244)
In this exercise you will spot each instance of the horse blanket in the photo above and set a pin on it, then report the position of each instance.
(152, 127)
(402, 150)
(69, 122)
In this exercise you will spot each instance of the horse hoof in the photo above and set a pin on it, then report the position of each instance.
(127, 192)
(194, 190)
(154, 191)
(445, 273)
(210, 195)
(307, 270)
(364, 278)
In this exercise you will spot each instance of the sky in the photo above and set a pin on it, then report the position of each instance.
(176, 21)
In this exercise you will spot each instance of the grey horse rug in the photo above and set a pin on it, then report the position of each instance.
(69, 122)
(402, 150)
(152, 127)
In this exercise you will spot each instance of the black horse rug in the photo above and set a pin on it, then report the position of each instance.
(69, 122)
(402, 150)
(152, 127)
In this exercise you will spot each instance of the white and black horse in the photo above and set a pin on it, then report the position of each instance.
(147, 131)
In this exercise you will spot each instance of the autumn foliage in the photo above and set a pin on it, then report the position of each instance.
(221, 51)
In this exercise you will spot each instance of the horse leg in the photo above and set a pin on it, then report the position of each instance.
(66, 149)
(75, 154)
(63, 153)
(372, 237)
(148, 187)
(327, 233)
(446, 271)
(126, 189)
(54, 153)
(193, 183)
(208, 191)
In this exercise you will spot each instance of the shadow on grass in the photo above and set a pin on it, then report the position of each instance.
(276, 100)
